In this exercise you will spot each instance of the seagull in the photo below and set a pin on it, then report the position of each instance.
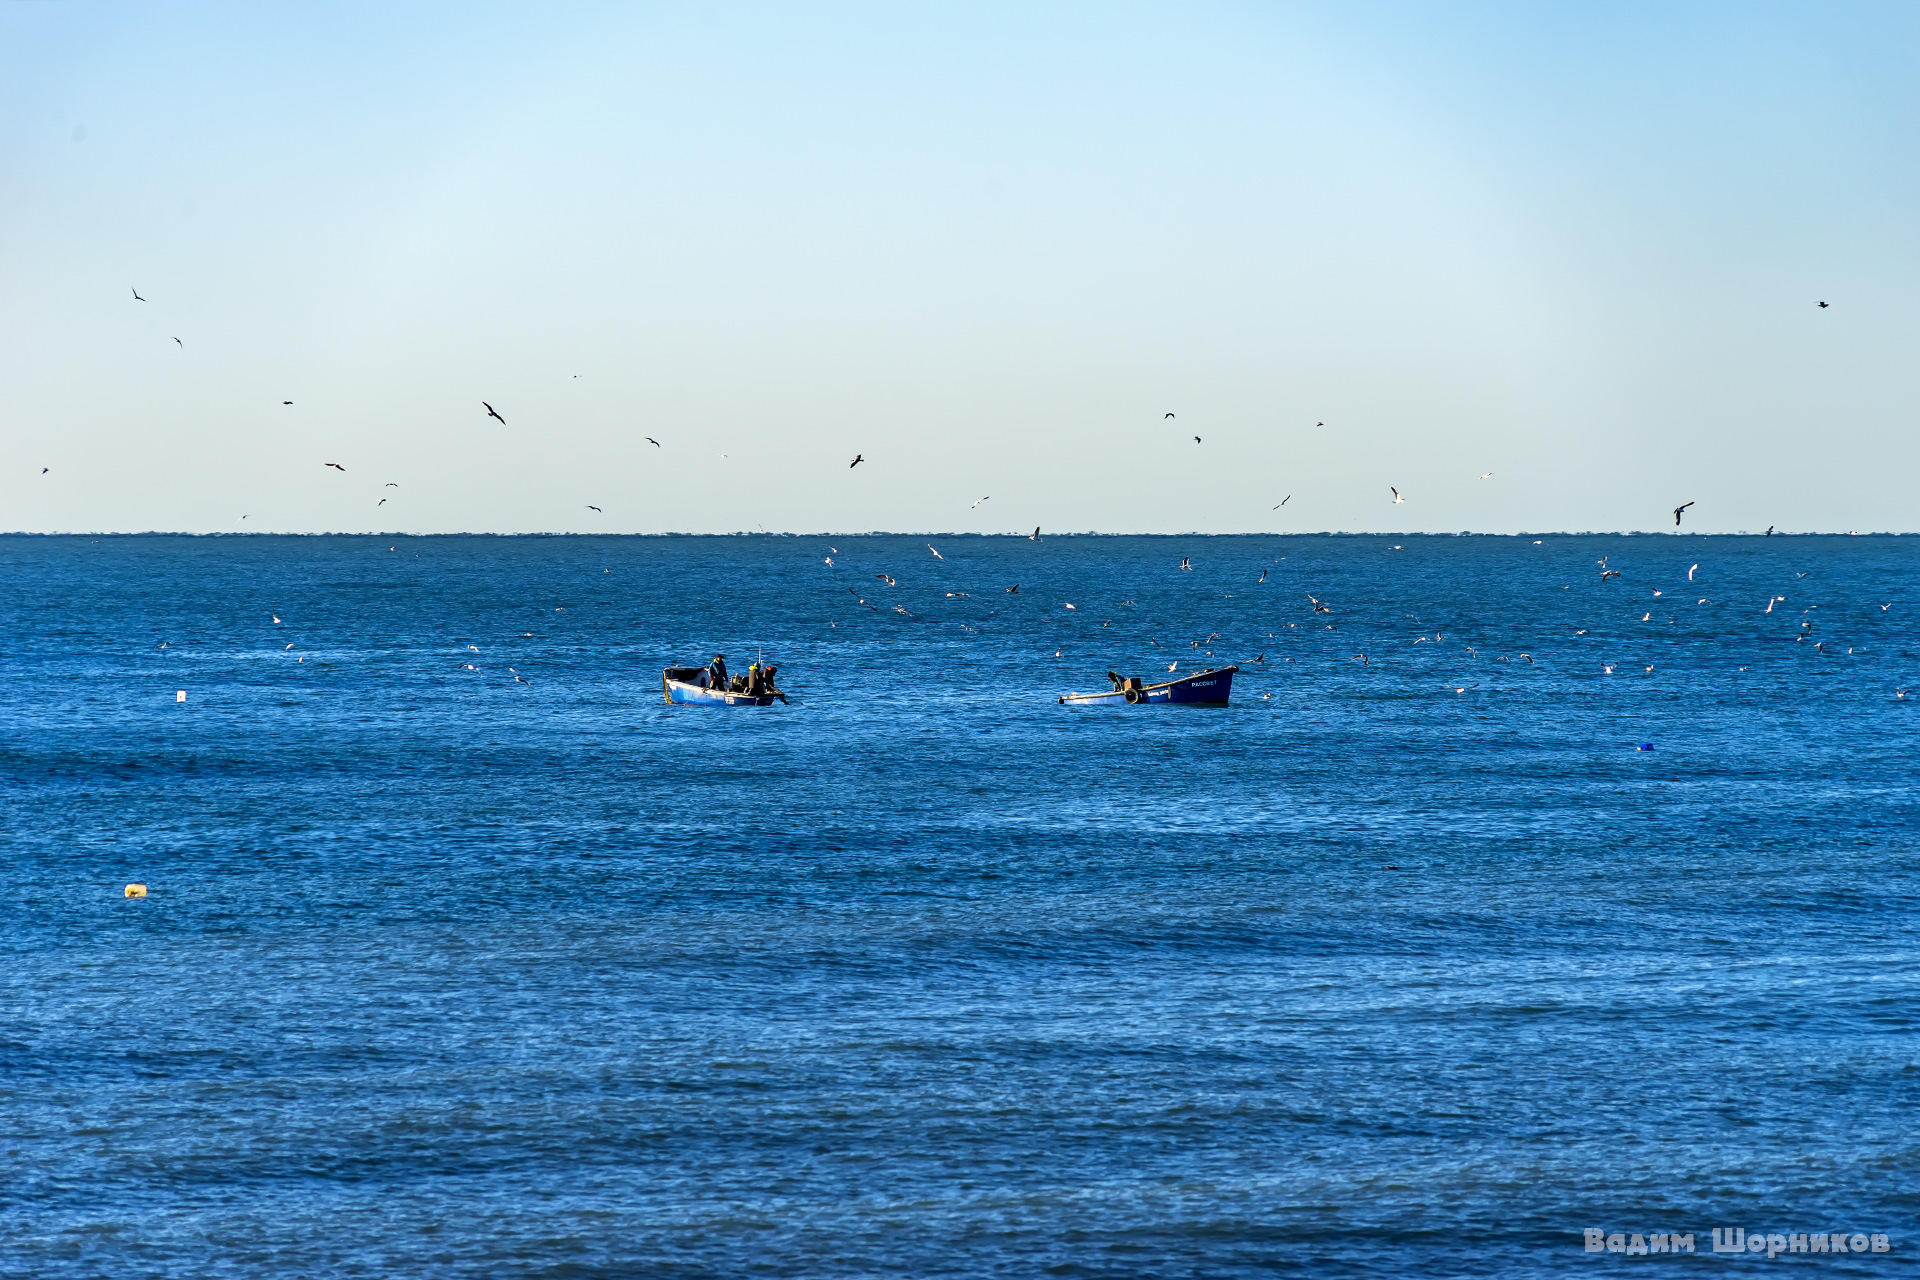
(1263, 577)
(858, 458)
(862, 599)
(1186, 563)
(1690, 573)
(884, 578)
(1768, 533)
(138, 298)
(829, 562)
(1196, 439)
(1609, 573)
(336, 466)
(179, 344)
(650, 440)
(381, 503)
(1015, 587)
(1676, 513)
(1462, 688)
(1396, 496)
(491, 414)
(1036, 534)
(44, 470)
(275, 617)
(286, 402)
(1261, 658)
(1172, 666)
(591, 507)
(1283, 502)
(1821, 305)
(936, 554)
(389, 485)
(1169, 416)
(474, 647)
(1645, 616)
(977, 503)
(1486, 475)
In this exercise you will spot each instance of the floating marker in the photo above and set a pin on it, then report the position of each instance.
(180, 695)
(136, 891)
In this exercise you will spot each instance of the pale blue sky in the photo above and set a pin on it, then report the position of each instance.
(988, 248)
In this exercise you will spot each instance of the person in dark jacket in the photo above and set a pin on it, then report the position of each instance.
(717, 672)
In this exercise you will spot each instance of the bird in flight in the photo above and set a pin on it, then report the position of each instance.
(650, 440)
(1196, 439)
(936, 554)
(44, 470)
(180, 344)
(390, 485)
(491, 414)
(1768, 533)
(884, 578)
(1186, 562)
(1015, 587)
(858, 458)
(1035, 536)
(138, 298)
(1168, 416)
(1486, 475)
(978, 503)
(1822, 306)
(336, 466)
(1397, 499)
(1319, 424)
(1263, 577)
(381, 503)
(286, 402)
(591, 507)
(1676, 513)
(1283, 502)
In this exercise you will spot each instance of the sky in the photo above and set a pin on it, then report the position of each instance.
(986, 248)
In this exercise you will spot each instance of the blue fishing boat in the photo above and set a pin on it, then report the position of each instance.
(1201, 689)
(687, 686)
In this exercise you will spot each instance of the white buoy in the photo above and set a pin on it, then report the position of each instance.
(180, 695)
(136, 891)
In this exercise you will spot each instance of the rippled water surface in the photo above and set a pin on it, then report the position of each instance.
(1406, 965)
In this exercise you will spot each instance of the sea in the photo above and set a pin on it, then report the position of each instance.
(1513, 919)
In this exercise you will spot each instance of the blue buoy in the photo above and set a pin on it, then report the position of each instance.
(1646, 746)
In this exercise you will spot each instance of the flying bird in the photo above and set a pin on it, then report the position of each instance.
(1196, 439)
(1396, 496)
(180, 344)
(978, 503)
(44, 470)
(936, 554)
(1768, 533)
(1186, 563)
(650, 440)
(1319, 424)
(1690, 572)
(1676, 513)
(1169, 416)
(1035, 537)
(286, 402)
(336, 466)
(381, 503)
(1263, 577)
(591, 507)
(138, 298)
(1821, 305)
(1283, 502)
(389, 485)
(858, 458)
(1015, 587)
(1486, 475)
(491, 414)
(884, 578)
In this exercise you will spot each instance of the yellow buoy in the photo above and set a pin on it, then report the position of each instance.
(136, 891)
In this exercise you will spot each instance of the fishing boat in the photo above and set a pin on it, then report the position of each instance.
(1207, 688)
(687, 686)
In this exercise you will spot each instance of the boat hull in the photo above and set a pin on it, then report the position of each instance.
(1201, 689)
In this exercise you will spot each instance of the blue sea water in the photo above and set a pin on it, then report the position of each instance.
(1410, 965)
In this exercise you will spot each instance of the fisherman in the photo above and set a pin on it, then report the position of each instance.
(769, 674)
(717, 672)
(756, 680)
